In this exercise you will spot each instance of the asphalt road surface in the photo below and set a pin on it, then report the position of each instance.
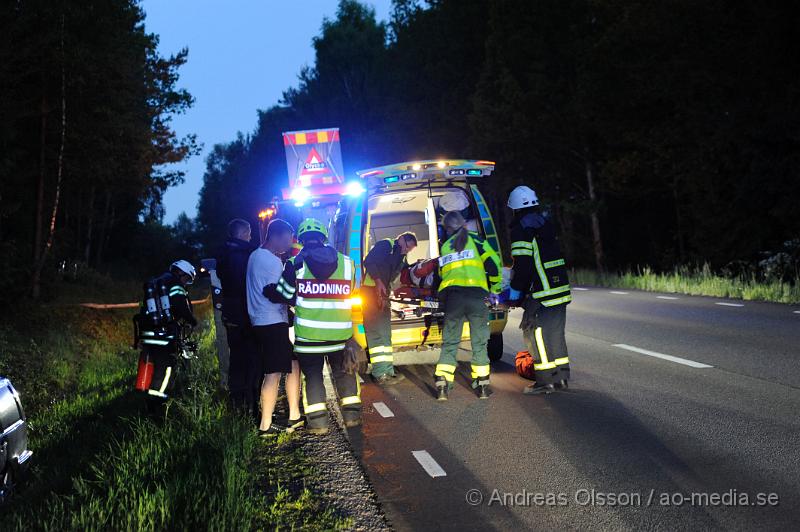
(682, 413)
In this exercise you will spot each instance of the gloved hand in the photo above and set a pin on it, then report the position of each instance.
(514, 297)
(494, 300)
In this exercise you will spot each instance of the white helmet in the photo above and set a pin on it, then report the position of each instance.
(454, 201)
(186, 267)
(522, 197)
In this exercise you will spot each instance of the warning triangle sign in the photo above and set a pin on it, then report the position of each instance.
(314, 163)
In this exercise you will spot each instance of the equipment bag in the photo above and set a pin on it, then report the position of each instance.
(524, 364)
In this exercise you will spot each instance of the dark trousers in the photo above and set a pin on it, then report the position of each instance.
(244, 380)
(543, 330)
(164, 361)
(314, 399)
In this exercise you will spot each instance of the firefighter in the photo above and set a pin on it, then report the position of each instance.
(162, 349)
(470, 271)
(320, 281)
(539, 282)
(383, 264)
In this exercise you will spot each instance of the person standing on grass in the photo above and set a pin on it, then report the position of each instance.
(232, 271)
(271, 327)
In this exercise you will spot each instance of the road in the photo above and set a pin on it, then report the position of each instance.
(718, 419)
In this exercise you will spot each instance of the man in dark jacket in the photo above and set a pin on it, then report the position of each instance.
(383, 264)
(232, 272)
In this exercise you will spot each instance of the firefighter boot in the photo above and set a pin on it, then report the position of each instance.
(441, 389)
(317, 423)
(351, 415)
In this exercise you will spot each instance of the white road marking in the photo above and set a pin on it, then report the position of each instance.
(619, 293)
(382, 409)
(797, 311)
(667, 297)
(729, 304)
(579, 288)
(671, 358)
(429, 464)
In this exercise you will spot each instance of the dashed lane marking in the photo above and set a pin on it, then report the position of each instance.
(671, 358)
(618, 293)
(580, 288)
(429, 464)
(667, 297)
(728, 304)
(382, 409)
(797, 311)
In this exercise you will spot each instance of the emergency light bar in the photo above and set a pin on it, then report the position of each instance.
(438, 169)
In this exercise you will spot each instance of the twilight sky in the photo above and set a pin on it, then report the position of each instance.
(242, 55)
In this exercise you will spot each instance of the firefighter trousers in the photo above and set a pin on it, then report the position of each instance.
(164, 362)
(464, 304)
(543, 331)
(347, 388)
(378, 330)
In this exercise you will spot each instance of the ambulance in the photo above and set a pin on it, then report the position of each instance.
(413, 196)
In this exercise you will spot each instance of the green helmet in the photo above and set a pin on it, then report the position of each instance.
(310, 225)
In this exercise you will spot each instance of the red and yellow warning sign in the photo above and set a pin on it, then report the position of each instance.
(313, 157)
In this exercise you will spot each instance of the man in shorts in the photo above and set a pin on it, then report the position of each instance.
(271, 328)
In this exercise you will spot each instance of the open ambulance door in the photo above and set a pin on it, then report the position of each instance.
(495, 347)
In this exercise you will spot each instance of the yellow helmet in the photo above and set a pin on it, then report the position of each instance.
(310, 225)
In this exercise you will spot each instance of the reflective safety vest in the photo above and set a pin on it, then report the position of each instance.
(550, 285)
(323, 312)
(462, 268)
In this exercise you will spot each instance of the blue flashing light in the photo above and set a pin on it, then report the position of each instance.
(354, 188)
(393, 179)
(474, 171)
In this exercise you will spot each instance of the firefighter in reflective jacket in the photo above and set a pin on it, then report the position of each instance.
(321, 282)
(470, 271)
(539, 282)
(161, 347)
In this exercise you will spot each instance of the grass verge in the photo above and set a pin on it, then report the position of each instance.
(101, 463)
(693, 281)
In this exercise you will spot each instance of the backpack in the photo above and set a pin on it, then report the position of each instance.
(524, 364)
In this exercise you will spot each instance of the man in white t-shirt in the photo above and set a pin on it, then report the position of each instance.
(271, 327)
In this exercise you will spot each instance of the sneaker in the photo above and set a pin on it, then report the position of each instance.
(538, 389)
(273, 430)
(295, 424)
(441, 389)
(389, 379)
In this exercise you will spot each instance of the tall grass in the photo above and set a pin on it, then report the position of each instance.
(101, 463)
(700, 281)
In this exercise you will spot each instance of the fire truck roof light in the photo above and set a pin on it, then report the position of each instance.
(300, 194)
